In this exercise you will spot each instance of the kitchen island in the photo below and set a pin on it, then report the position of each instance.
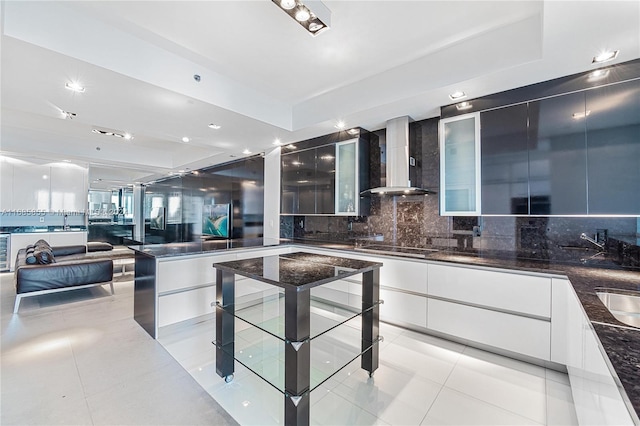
(296, 273)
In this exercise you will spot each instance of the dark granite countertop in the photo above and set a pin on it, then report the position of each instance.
(195, 247)
(297, 270)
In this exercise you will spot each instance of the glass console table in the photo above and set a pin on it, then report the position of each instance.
(276, 334)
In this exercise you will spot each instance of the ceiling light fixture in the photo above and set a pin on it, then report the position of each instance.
(246, 151)
(354, 131)
(75, 86)
(185, 139)
(457, 95)
(277, 142)
(104, 132)
(582, 114)
(605, 56)
(340, 125)
(313, 15)
(302, 14)
(68, 115)
(464, 105)
(214, 126)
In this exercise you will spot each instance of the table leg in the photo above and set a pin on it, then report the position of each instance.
(224, 341)
(297, 356)
(370, 319)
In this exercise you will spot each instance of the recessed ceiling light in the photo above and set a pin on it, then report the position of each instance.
(67, 115)
(598, 75)
(457, 95)
(464, 105)
(340, 125)
(185, 139)
(128, 136)
(291, 146)
(246, 151)
(605, 56)
(287, 4)
(277, 142)
(75, 86)
(582, 114)
(214, 126)
(302, 14)
(353, 132)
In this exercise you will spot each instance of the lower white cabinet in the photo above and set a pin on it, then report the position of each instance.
(527, 336)
(403, 309)
(574, 343)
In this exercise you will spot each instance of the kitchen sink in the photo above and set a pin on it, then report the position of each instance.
(624, 307)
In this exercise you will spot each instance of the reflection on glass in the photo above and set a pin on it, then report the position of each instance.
(459, 160)
(346, 179)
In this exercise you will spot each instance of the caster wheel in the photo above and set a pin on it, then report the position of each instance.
(228, 378)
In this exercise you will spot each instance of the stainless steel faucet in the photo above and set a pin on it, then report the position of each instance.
(591, 240)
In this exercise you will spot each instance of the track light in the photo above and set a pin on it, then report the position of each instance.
(313, 15)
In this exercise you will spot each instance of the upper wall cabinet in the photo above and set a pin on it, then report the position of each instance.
(325, 176)
(505, 161)
(613, 149)
(308, 181)
(347, 188)
(460, 165)
(558, 156)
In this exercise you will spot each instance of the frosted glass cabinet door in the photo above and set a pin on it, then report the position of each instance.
(460, 165)
(347, 195)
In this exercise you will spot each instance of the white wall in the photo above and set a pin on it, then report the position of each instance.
(272, 197)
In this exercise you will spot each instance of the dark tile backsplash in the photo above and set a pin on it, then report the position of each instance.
(414, 221)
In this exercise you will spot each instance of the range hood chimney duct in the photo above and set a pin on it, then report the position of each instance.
(398, 161)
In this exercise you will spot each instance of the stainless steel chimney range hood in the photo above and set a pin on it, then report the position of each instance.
(398, 162)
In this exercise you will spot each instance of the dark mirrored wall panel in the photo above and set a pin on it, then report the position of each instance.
(613, 141)
(505, 161)
(558, 156)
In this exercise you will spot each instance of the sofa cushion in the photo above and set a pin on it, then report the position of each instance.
(43, 256)
(98, 246)
(42, 243)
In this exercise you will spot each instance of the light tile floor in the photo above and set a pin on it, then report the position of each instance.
(79, 358)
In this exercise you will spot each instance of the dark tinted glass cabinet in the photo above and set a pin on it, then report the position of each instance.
(613, 149)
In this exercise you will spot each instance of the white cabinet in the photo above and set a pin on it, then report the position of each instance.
(508, 291)
(44, 186)
(404, 275)
(61, 238)
(6, 184)
(403, 309)
(527, 336)
(574, 343)
(460, 165)
(69, 188)
(31, 187)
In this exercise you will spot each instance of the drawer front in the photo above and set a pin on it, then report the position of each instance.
(178, 307)
(511, 332)
(403, 308)
(404, 275)
(186, 273)
(501, 290)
